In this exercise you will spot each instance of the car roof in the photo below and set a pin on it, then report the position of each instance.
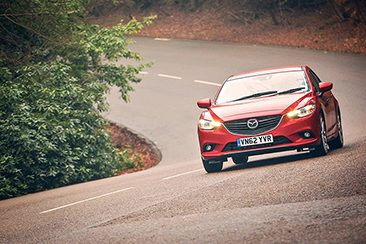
(267, 71)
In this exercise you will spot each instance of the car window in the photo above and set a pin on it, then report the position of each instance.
(314, 80)
(268, 83)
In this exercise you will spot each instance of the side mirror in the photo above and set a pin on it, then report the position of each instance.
(204, 103)
(325, 86)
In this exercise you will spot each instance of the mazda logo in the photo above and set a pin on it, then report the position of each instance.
(252, 124)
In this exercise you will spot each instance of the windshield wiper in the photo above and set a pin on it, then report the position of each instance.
(259, 94)
(291, 90)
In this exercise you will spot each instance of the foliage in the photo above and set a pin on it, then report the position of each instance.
(128, 160)
(247, 11)
(252, 9)
(55, 70)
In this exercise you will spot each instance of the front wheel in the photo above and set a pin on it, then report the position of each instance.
(323, 148)
(338, 142)
(212, 166)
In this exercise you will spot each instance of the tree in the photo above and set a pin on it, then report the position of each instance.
(55, 70)
(350, 9)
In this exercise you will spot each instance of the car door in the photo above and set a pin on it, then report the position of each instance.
(328, 104)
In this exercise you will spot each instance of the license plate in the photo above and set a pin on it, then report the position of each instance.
(255, 140)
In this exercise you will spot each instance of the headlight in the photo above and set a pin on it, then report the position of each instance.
(302, 112)
(208, 123)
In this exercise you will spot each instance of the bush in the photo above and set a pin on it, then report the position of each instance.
(50, 133)
(52, 88)
(128, 160)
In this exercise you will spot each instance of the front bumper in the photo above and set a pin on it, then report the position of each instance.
(287, 136)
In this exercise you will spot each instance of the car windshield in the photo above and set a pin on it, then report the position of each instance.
(269, 84)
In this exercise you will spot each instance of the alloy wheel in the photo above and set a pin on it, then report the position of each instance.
(323, 134)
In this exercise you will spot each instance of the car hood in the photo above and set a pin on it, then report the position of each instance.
(257, 107)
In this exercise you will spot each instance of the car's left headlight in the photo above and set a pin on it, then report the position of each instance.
(302, 112)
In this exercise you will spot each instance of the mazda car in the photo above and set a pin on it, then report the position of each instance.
(268, 111)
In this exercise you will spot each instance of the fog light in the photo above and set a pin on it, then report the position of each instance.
(307, 134)
(208, 147)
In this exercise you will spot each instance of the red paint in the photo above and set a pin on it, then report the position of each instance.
(289, 128)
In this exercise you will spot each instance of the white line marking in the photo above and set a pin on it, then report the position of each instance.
(85, 200)
(186, 173)
(162, 39)
(207, 83)
(144, 73)
(170, 76)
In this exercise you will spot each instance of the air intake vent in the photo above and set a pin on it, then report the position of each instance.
(242, 127)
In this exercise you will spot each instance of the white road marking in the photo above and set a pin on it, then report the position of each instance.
(186, 173)
(162, 39)
(85, 200)
(207, 83)
(144, 73)
(170, 76)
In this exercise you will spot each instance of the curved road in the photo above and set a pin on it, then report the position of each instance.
(282, 197)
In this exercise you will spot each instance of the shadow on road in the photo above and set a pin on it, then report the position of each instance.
(270, 161)
(284, 159)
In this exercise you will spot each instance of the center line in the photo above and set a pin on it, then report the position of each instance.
(186, 173)
(207, 83)
(85, 200)
(170, 76)
(161, 39)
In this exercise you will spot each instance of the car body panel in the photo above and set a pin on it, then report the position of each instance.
(289, 131)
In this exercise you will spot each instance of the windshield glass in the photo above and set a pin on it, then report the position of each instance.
(261, 85)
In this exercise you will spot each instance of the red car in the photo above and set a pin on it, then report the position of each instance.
(269, 111)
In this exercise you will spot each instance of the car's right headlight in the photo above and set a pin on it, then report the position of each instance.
(208, 123)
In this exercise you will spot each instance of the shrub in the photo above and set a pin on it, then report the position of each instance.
(53, 84)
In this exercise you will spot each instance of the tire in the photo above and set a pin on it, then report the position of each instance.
(212, 167)
(338, 142)
(240, 159)
(323, 148)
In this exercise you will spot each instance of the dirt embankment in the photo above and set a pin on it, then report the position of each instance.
(123, 137)
(307, 28)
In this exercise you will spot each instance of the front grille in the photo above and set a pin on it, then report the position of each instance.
(277, 140)
(265, 123)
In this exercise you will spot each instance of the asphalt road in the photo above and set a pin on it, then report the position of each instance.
(286, 197)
